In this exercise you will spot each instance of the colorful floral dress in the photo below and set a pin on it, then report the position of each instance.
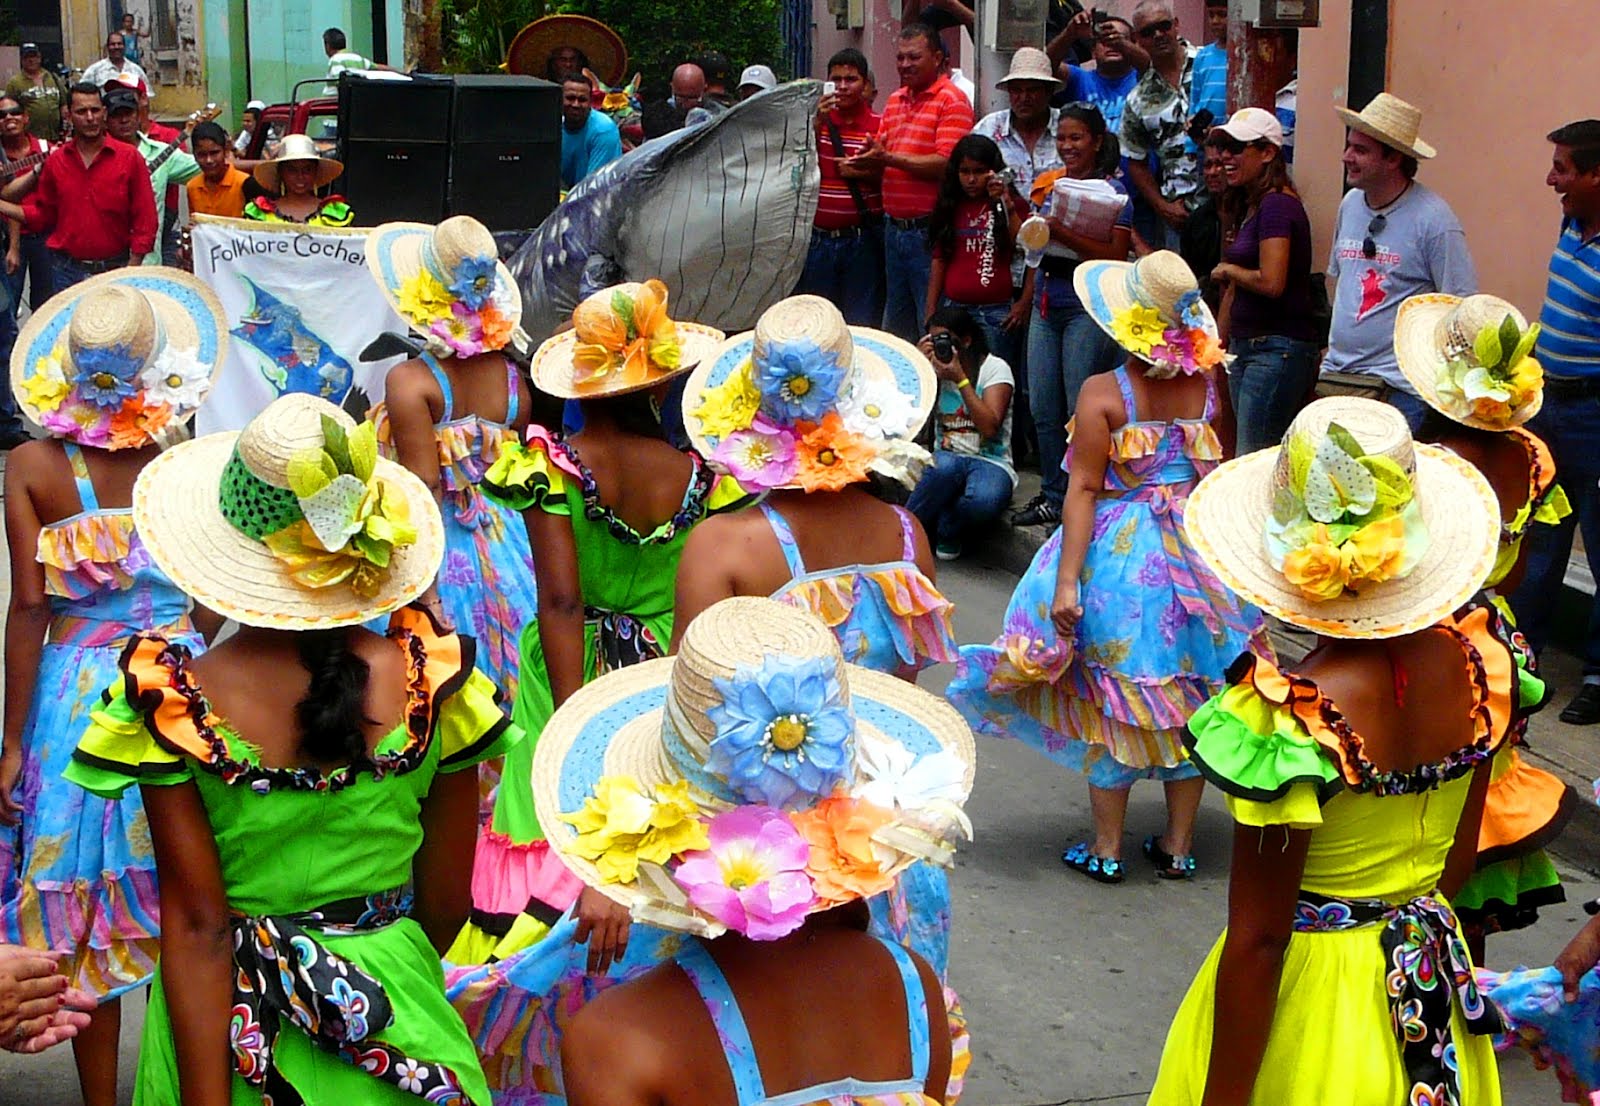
(332, 212)
(1559, 1035)
(1376, 1003)
(1158, 628)
(1526, 807)
(317, 867)
(486, 583)
(86, 870)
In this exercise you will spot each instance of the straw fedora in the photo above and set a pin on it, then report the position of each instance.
(207, 509)
(1030, 63)
(600, 329)
(1451, 526)
(149, 335)
(759, 718)
(880, 387)
(297, 147)
(1391, 121)
(1435, 342)
(1161, 282)
(529, 52)
(447, 282)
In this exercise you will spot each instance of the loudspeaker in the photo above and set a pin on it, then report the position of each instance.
(396, 147)
(505, 160)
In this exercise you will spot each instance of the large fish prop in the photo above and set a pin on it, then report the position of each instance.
(721, 211)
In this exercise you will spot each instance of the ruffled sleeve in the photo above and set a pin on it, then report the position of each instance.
(535, 474)
(142, 732)
(472, 726)
(727, 494)
(464, 714)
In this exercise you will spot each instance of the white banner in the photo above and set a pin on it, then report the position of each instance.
(301, 306)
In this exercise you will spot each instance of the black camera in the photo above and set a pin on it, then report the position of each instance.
(1200, 126)
(944, 347)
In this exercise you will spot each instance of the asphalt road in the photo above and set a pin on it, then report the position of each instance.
(1069, 985)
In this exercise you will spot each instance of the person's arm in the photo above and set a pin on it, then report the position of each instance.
(196, 942)
(1450, 261)
(704, 572)
(411, 424)
(1579, 958)
(1091, 451)
(957, 9)
(31, 990)
(181, 167)
(1145, 182)
(1078, 28)
(555, 569)
(604, 151)
(27, 619)
(936, 272)
(143, 230)
(1274, 225)
(1463, 856)
(1263, 887)
(443, 883)
(1018, 315)
(13, 246)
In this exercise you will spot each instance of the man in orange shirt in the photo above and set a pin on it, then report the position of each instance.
(220, 188)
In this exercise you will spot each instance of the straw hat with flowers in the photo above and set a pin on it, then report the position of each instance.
(1470, 359)
(448, 283)
(114, 361)
(1152, 307)
(804, 401)
(294, 523)
(752, 779)
(297, 147)
(1349, 528)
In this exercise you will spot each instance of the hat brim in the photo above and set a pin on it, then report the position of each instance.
(879, 356)
(1102, 288)
(187, 310)
(1416, 349)
(612, 726)
(1418, 149)
(1054, 82)
(551, 368)
(1227, 515)
(394, 256)
(266, 174)
(529, 52)
(177, 511)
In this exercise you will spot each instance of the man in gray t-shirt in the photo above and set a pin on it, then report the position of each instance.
(1394, 239)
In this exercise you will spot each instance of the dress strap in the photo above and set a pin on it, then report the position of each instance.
(511, 392)
(908, 536)
(1125, 386)
(87, 500)
(786, 542)
(1211, 397)
(737, 1047)
(444, 384)
(916, 1009)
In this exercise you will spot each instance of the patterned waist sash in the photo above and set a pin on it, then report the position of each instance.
(90, 633)
(1427, 963)
(620, 640)
(283, 974)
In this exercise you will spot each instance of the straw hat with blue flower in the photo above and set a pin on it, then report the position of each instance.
(751, 780)
(448, 283)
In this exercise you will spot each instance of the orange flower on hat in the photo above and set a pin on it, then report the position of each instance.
(1317, 568)
(1207, 352)
(1377, 551)
(845, 864)
(136, 422)
(829, 457)
(496, 327)
(627, 332)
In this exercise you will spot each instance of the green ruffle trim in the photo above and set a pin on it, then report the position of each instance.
(1508, 882)
(1555, 507)
(1253, 749)
(524, 477)
(117, 752)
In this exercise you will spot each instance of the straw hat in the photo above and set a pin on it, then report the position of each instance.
(720, 721)
(1435, 332)
(1030, 63)
(1452, 536)
(597, 327)
(881, 386)
(529, 53)
(206, 510)
(297, 147)
(413, 263)
(1162, 282)
(148, 334)
(1391, 121)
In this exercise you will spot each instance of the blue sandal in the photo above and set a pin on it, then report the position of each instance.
(1101, 869)
(1167, 865)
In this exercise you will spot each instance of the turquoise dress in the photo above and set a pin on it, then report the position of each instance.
(83, 868)
(1157, 632)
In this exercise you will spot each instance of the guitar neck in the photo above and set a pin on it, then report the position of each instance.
(17, 166)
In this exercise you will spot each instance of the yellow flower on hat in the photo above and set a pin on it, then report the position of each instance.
(1376, 552)
(1317, 568)
(621, 824)
(423, 298)
(731, 405)
(1137, 328)
(47, 387)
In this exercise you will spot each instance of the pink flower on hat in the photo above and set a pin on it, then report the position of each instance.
(753, 877)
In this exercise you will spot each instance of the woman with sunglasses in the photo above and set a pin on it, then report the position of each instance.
(1265, 272)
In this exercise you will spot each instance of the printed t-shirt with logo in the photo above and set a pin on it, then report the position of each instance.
(955, 432)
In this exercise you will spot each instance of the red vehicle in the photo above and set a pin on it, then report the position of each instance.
(317, 116)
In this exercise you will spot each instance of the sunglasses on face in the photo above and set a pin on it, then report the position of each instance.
(1154, 29)
(1369, 244)
(6, 112)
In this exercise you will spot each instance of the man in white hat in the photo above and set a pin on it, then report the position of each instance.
(1394, 239)
(1026, 131)
(756, 78)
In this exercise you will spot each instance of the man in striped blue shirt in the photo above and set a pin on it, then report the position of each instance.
(1210, 92)
(1569, 422)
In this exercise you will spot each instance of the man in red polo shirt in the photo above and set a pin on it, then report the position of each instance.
(93, 197)
(925, 119)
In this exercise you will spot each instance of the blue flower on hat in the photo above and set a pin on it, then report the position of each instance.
(798, 381)
(1190, 308)
(473, 281)
(106, 376)
(784, 731)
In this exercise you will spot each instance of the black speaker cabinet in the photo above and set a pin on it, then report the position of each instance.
(505, 161)
(395, 142)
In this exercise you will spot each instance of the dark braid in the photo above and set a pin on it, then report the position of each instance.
(331, 714)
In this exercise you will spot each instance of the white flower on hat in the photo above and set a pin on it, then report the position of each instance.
(876, 409)
(900, 460)
(176, 377)
(930, 788)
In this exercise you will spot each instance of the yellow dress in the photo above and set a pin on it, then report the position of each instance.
(1369, 924)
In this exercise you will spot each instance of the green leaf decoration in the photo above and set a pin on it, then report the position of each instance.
(1285, 507)
(1345, 440)
(1301, 449)
(1337, 484)
(309, 471)
(363, 446)
(331, 513)
(1486, 347)
(336, 443)
(1341, 532)
(1394, 489)
(623, 306)
(1530, 338)
(1510, 338)
(375, 550)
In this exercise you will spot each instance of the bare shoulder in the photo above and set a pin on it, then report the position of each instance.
(410, 383)
(617, 1049)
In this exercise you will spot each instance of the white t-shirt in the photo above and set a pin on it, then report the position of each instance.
(102, 71)
(955, 432)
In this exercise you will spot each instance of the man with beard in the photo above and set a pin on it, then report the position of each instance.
(176, 166)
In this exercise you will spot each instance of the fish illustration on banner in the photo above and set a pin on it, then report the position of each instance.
(294, 358)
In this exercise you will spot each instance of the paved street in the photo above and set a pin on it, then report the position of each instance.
(1069, 985)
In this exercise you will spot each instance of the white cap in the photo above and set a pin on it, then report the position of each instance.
(1252, 125)
(759, 75)
(256, 105)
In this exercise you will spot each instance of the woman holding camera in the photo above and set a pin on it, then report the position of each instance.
(971, 479)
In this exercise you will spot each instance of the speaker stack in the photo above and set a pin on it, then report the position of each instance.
(418, 150)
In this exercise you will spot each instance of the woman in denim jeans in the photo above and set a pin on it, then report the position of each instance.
(1266, 269)
(1065, 347)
